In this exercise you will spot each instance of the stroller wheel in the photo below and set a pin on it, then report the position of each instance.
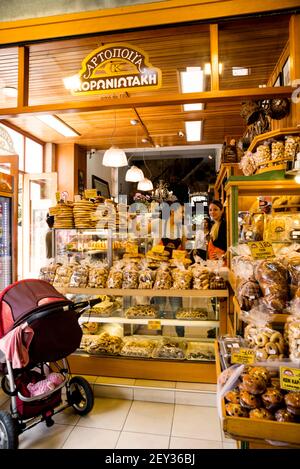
(80, 395)
(8, 431)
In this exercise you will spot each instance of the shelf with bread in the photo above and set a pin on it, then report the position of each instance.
(256, 432)
(136, 318)
(273, 134)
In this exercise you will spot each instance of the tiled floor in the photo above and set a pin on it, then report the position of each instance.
(124, 423)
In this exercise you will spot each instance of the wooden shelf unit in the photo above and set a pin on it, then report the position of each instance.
(226, 171)
(272, 134)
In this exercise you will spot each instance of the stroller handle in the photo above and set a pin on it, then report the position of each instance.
(51, 308)
(84, 304)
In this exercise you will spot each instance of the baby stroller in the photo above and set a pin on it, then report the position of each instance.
(38, 330)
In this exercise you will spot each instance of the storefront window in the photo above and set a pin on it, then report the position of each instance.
(18, 141)
(34, 156)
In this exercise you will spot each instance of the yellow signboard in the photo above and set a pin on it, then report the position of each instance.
(290, 378)
(154, 324)
(245, 356)
(177, 254)
(90, 193)
(115, 67)
(261, 249)
(132, 249)
(158, 249)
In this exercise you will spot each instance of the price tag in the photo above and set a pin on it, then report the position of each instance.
(57, 196)
(177, 254)
(158, 249)
(261, 249)
(289, 378)
(154, 325)
(90, 193)
(132, 249)
(245, 356)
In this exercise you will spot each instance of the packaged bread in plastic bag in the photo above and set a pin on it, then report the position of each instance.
(273, 281)
(163, 280)
(182, 277)
(292, 330)
(115, 276)
(98, 275)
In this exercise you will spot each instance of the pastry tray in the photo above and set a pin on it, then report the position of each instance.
(192, 314)
(200, 351)
(140, 312)
(138, 347)
(170, 349)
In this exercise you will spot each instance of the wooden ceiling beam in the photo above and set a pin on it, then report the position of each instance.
(156, 99)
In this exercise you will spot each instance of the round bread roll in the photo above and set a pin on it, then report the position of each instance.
(261, 372)
(254, 384)
(272, 398)
(282, 415)
(262, 413)
(292, 400)
(235, 410)
(233, 396)
(249, 401)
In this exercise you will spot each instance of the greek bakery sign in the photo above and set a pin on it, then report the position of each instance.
(116, 67)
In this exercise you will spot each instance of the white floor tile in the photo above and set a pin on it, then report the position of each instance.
(196, 398)
(149, 417)
(42, 437)
(91, 438)
(190, 443)
(109, 414)
(196, 422)
(154, 395)
(67, 417)
(113, 392)
(142, 441)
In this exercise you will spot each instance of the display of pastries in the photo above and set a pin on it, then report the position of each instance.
(141, 311)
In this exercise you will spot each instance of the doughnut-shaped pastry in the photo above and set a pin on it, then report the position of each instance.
(261, 339)
(249, 401)
(272, 398)
(261, 414)
(235, 410)
(261, 372)
(251, 341)
(233, 396)
(276, 337)
(282, 415)
(273, 358)
(254, 384)
(271, 348)
(261, 354)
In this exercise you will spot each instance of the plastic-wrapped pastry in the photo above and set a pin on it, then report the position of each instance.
(47, 273)
(98, 276)
(267, 343)
(247, 164)
(146, 278)
(62, 276)
(182, 278)
(105, 343)
(277, 150)
(293, 266)
(262, 155)
(90, 327)
(247, 294)
(163, 280)
(290, 149)
(141, 311)
(272, 278)
(170, 348)
(292, 329)
(137, 347)
(130, 276)
(201, 277)
(79, 276)
(191, 313)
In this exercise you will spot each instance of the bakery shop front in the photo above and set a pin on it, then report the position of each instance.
(132, 89)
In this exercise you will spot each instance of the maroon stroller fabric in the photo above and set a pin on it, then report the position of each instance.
(49, 313)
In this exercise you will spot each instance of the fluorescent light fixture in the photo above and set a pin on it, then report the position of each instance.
(297, 179)
(10, 91)
(193, 131)
(191, 80)
(145, 185)
(193, 107)
(207, 68)
(59, 125)
(114, 157)
(240, 71)
(72, 83)
(134, 174)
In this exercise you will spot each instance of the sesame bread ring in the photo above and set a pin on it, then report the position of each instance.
(281, 346)
(261, 339)
(271, 348)
(276, 337)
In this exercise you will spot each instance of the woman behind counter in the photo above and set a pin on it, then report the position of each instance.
(217, 245)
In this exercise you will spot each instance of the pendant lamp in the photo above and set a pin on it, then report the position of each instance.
(114, 157)
(134, 174)
(145, 185)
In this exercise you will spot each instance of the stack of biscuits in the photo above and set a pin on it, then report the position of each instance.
(82, 213)
(63, 216)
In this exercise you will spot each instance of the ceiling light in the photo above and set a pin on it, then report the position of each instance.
(210, 157)
(193, 131)
(191, 80)
(134, 121)
(207, 68)
(72, 83)
(262, 86)
(134, 174)
(59, 125)
(114, 157)
(240, 71)
(180, 133)
(145, 140)
(193, 107)
(297, 179)
(10, 91)
(145, 185)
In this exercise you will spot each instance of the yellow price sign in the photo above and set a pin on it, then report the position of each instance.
(177, 254)
(132, 249)
(90, 193)
(289, 378)
(159, 249)
(245, 356)
(57, 196)
(261, 249)
(154, 325)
